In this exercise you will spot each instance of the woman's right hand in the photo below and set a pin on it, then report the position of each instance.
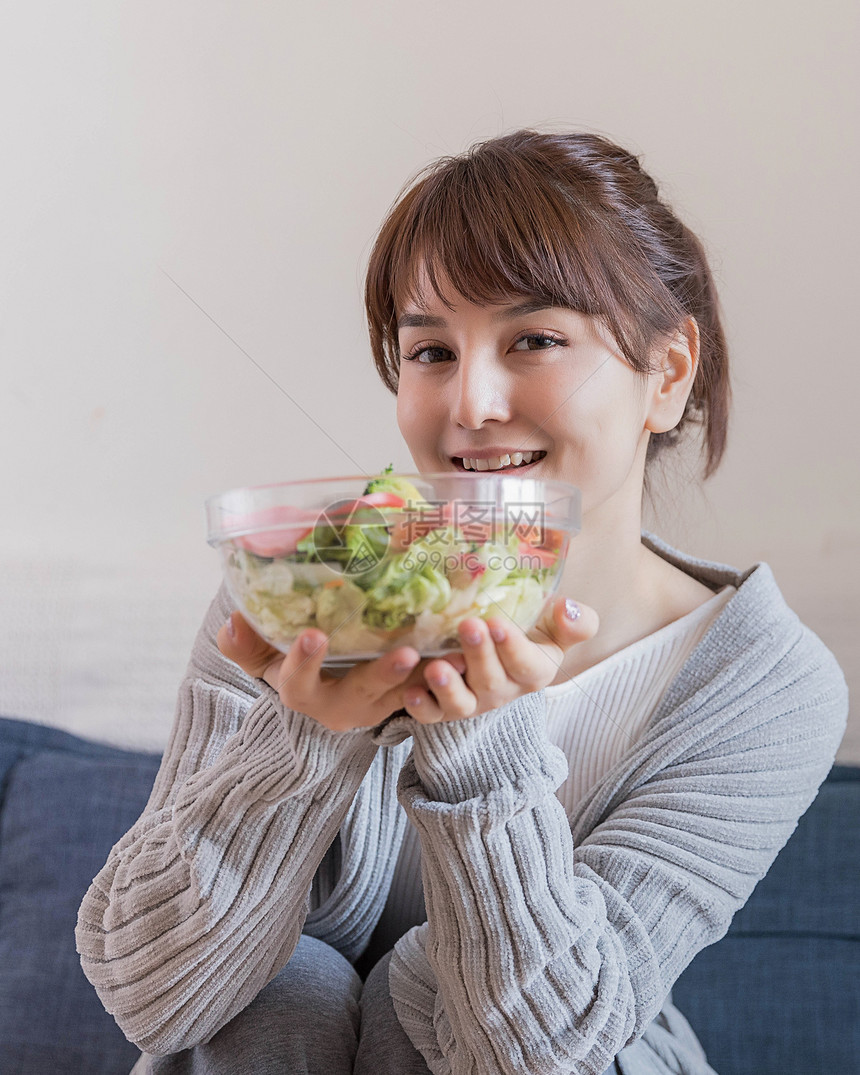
(362, 698)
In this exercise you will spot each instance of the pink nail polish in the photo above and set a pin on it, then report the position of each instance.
(572, 609)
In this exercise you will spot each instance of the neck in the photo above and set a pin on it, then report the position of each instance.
(610, 569)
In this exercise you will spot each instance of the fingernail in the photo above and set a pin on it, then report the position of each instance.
(403, 665)
(231, 630)
(572, 609)
(309, 644)
(414, 699)
(499, 634)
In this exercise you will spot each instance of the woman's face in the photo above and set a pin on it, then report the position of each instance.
(481, 381)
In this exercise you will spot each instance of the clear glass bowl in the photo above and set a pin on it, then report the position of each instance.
(400, 559)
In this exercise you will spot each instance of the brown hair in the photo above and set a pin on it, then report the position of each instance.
(571, 219)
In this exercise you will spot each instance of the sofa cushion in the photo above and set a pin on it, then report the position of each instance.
(779, 993)
(65, 803)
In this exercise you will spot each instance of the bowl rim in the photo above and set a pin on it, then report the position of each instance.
(217, 533)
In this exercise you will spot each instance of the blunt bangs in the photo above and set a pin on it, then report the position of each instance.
(501, 227)
(493, 239)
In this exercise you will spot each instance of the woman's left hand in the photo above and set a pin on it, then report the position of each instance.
(501, 664)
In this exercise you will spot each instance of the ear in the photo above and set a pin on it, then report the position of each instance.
(675, 365)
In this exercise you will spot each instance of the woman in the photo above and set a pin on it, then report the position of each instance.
(589, 807)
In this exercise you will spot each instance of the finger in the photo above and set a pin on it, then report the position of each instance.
(274, 673)
(567, 622)
(380, 682)
(226, 638)
(485, 671)
(564, 624)
(420, 704)
(453, 697)
(523, 662)
(416, 677)
(298, 676)
(240, 643)
(456, 660)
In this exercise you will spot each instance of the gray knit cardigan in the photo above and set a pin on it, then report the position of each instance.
(552, 941)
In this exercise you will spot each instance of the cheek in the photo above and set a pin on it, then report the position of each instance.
(403, 407)
(414, 416)
(607, 407)
(600, 438)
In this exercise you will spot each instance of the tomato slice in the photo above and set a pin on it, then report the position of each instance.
(372, 500)
(283, 537)
(537, 557)
(382, 500)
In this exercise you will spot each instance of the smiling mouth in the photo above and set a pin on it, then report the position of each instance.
(537, 457)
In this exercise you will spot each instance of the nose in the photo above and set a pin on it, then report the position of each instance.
(480, 392)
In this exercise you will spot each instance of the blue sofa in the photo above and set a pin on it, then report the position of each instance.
(777, 996)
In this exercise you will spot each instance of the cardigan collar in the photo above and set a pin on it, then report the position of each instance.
(728, 669)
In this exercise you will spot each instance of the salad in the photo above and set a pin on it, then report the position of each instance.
(390, 568)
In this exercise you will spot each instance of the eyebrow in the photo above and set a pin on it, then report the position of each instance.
(419, 320)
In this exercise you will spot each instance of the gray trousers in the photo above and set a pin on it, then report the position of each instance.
(313, 1018)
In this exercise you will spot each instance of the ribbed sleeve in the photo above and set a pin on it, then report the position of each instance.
(546, 951)
(203, 900)
(552, 939)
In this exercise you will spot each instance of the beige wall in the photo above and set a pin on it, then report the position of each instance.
(249, 151)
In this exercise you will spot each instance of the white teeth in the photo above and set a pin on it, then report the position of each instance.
(514, 459)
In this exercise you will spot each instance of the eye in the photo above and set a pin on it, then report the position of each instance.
(534, 341)
(537, 342)
(434, 351)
